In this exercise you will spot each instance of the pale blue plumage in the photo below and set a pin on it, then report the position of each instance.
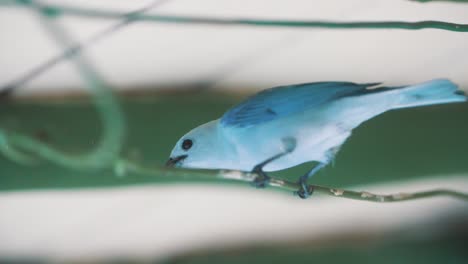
(282, 101)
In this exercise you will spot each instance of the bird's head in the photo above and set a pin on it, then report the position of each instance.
(199, 148)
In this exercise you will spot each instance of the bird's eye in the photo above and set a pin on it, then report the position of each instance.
(187, 144)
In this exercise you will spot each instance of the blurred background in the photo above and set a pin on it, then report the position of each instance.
(171, 77)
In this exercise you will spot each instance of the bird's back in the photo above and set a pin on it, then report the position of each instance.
(282, 101)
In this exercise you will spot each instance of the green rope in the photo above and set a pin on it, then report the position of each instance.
(108, 149)
(53, 10)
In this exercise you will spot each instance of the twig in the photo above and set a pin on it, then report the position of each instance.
(55, 10)
(122, 167)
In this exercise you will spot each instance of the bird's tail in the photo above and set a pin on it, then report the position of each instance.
(439, 91)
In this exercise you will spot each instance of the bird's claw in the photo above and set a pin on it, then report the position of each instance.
(262, 180)
(305, 190)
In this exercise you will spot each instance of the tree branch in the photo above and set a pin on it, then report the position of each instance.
(123, 167)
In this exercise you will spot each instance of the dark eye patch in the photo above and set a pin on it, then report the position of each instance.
(187, 144)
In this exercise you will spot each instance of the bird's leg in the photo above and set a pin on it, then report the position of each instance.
(262, 179)
(304, 191)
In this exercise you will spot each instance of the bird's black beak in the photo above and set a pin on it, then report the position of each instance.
(173, 161)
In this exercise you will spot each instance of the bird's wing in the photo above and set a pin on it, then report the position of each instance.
(282, 101)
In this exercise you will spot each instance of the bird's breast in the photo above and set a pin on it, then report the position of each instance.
(256, 144)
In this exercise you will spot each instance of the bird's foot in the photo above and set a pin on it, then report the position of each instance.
(305, 190)
(262, 179)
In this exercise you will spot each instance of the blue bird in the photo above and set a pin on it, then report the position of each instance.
(285, 126)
